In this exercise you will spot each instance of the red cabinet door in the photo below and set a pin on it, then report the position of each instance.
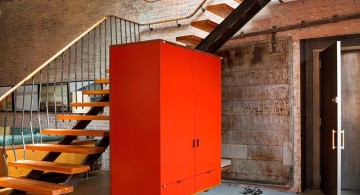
(177, 113)
(207, 112)
(135, 118)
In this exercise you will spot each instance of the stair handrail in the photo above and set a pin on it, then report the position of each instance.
(85, 33)
(37, 70)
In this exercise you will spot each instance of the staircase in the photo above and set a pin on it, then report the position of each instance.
(82, 67)
(223, 10)
(73, 88)
(72, 170)
(234, 20)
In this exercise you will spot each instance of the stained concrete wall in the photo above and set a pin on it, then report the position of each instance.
(256, 129)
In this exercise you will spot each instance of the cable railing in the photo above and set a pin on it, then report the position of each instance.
(33, 103)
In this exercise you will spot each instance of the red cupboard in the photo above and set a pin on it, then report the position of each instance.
(165, 109)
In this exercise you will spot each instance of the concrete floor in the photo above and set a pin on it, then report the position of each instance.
(98, 182)
(230, 190)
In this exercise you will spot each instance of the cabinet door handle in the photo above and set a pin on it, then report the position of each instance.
(333, 139)
(197, 142)
(193, 143)
(343, 139)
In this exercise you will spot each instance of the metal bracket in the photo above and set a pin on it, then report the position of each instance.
(335, 18)
(177, 23)
(302, 24)
(151, 28)
(242, 34)
(203, 9)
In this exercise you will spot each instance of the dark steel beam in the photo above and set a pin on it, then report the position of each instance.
(73, 180)
(231, 25)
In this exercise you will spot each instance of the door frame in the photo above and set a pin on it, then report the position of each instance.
(310, 133)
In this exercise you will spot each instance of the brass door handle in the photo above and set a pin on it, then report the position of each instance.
(343, 139)
(333, 139)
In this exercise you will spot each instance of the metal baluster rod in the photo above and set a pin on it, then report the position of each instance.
(116, 37)
(121, 30)
(39, 115)
(4, 134)
(75, 73)
(47, 97)
(105, 56)
(82, 71)
(130, 32)
(138, 32)
(54, 92)
(22, 122)
(31, 110)
(61, 83)
(94, 59)
(69, 70)
(110, 23)
(88, 59)
(13, 134)
(100, 49)
(126, 38)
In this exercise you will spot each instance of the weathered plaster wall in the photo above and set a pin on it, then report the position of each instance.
(257, 131)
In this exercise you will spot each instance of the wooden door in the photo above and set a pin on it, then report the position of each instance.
(330, 112)
(207, 113)
(177, 113)
(350, 156)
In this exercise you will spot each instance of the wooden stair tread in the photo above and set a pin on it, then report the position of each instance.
(107, 70)
(34, 186)
(205, 25)
(102, 81)
(222, 9)
(239, 1)
(66, 148)
(90, 104)
(50, 166)
(191, 40)
(76, 132)
(82, 117)
(96, 92)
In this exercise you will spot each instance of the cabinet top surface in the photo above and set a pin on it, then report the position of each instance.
(161, 41)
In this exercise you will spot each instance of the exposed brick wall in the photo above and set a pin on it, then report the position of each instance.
(34, 30)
